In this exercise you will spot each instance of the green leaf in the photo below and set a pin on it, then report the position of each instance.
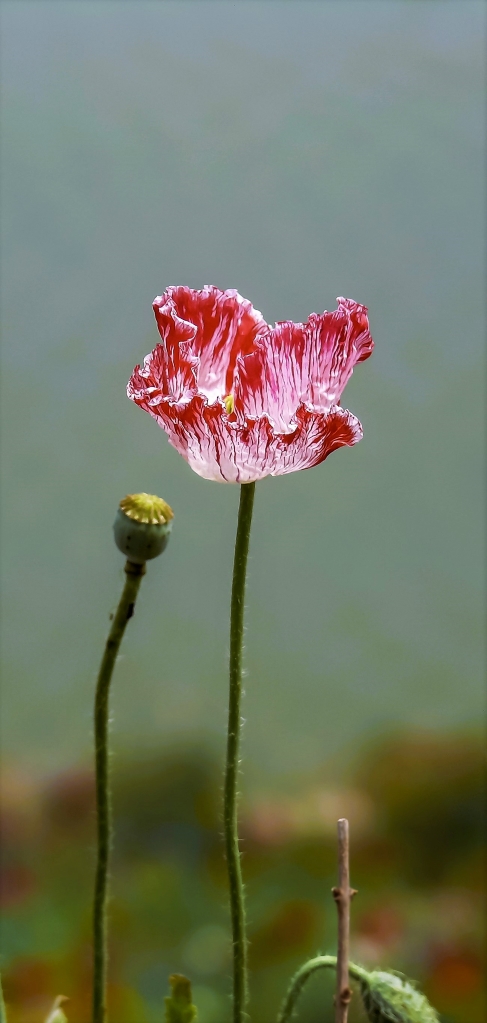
(179, 1004)
(391, 998)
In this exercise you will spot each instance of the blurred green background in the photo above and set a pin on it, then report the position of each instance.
(295, 151)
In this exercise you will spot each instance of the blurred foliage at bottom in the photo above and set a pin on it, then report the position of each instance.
(415, 808)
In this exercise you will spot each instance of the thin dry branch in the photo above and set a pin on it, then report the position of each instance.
(343, 896)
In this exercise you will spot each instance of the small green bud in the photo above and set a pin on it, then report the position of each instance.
(142, 527)
(391, 998)
(56, 1014)
(179, 1004)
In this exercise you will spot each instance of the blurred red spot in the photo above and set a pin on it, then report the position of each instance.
(28, 979)
(383, 925)
(455, 975)
(16, 884)
(70, 799)
(292, 928)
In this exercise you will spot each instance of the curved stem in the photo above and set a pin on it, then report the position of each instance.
(124, 611)
(303, 974)
(230, 819)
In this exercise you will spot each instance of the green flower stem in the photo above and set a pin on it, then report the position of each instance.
(303, 974)
(230, 816)
(124, 611)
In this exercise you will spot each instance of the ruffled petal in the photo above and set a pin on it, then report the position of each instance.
(297, 363)
(218, 448)
(317, 434)
(337, 342)
(219, 325)
(169, 371)
(241, 400)
(269, 381)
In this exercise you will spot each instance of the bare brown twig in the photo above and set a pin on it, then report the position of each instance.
(343, 896)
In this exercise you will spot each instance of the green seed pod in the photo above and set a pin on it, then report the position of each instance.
(142, 527)
(391, 998)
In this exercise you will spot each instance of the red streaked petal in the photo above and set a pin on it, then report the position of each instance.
(168, 374)
(359, 317)
(317, 435)
(337, 341)
(269, 381)
(241, 400)
(170, 369)
(295, 362)
(219, 325)
(219, 449)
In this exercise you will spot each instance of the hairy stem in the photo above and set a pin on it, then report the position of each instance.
(124, 611)
(302, 976)
(230, 814)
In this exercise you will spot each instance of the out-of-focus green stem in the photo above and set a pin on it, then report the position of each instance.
(303, 974)
(3, 1013)
(230, 809)
(124, 611)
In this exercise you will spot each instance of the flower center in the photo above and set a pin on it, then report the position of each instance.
(229, 403)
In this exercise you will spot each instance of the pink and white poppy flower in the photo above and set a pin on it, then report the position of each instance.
(241, 400)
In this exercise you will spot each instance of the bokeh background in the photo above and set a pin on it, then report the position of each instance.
(296, 151)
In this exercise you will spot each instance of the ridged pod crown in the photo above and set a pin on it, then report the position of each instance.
(142, 526)
(147, 508)
(391, 998)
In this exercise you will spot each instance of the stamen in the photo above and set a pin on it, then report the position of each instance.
(229, 403)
